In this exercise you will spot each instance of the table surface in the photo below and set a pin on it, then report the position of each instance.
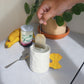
(71, 48)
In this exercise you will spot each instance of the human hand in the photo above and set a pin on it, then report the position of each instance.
(51, 8)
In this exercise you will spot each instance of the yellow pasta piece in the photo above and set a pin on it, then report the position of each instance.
(55, 60)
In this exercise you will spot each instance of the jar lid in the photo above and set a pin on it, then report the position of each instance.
(27, 27)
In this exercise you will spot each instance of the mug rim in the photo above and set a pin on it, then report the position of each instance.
(46, 51)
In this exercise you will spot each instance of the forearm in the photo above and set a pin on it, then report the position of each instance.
(77, 1)
(80, 1)
(71, 3)
(51, 8)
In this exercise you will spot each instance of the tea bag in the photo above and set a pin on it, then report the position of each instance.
(40, 41)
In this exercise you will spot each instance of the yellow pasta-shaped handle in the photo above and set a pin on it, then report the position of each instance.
(55, 58)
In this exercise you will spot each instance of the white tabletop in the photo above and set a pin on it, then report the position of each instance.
(19, 73)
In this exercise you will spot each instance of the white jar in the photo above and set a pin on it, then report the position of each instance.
(26, 35)
(39, 59)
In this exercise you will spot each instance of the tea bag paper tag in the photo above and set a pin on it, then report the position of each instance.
(40, 41)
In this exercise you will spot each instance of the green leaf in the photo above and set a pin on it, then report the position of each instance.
(59, 20)
(82, 7)
(34, 7)
(37, 2)
(77, 9)
(33, 10)
(29, 18)
(27, 8)
(67, 16)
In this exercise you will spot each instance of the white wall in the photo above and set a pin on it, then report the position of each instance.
(12, 16)
(77, 23)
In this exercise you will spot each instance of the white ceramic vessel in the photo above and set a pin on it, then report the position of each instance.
(39, 59)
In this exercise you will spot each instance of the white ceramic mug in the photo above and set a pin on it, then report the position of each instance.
(39, 59)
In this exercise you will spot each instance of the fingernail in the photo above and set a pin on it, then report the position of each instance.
(41, 21)
(45, 23)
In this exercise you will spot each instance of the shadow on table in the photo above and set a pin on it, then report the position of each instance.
(63, 75)
(79, 38)
(68, 70)
(26, 53)
(1, 78)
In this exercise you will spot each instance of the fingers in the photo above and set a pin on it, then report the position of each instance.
(44, 13)
(42, 22)
(47, 11)
(46, 16)
(41, 10)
